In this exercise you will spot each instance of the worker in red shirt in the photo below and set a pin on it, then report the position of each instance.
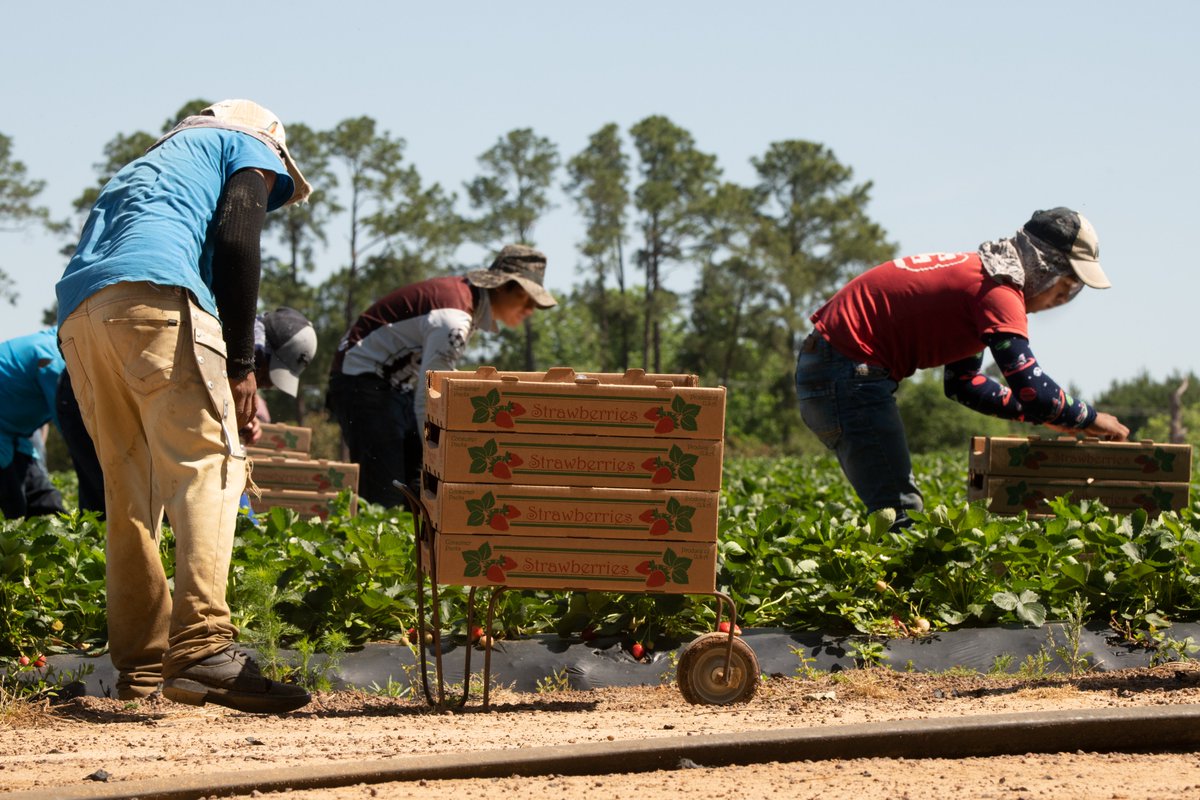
(943, 309)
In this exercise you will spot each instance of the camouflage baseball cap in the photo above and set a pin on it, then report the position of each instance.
(517, 262)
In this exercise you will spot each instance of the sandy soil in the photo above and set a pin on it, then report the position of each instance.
(131, 741)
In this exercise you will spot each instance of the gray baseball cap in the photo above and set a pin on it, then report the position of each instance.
(292, 341)
(1070, 233)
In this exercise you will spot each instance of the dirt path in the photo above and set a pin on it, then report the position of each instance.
(156, 738)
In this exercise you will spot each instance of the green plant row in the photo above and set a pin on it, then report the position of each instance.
(795, 550)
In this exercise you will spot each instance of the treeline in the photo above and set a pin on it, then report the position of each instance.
(759, 257)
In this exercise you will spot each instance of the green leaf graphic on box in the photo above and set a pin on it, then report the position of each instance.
(1166, 461)
(687, 413)
(681, 514)
(1016, 455)
(291, 440)
(335, 477)
(478, 511)
(482, 458)
(485, 406)
(1016, 494)
(1162, 498)
(475, 559)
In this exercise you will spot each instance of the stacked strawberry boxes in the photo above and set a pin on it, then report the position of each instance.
(288, 478)
(555, 480)
(1019, 474)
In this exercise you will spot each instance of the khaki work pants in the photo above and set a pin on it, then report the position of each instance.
(148, 368)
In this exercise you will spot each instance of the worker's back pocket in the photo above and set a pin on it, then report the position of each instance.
(146, 342)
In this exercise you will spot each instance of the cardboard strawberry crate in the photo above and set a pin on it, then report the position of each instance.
(1068, 457)
(560, 401)
(565, 511)
(567, 564)
(266, 452)
(306, 504)
(305, 475)
(572, 460)
(1011, 494)
(281, 438)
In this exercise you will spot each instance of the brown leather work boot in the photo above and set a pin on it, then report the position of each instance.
(231, 678)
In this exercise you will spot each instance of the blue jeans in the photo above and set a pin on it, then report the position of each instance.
(851, 408)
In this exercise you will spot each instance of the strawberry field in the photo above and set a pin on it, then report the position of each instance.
(795, 551)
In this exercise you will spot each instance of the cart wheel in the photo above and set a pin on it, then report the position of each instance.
(701, 671)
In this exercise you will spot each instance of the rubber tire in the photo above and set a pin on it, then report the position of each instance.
(701, 667)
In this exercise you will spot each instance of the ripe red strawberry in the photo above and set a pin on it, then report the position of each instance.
(659, 527)
(503, 419)
(637, 650)
(476, 633)
(513, 459)
(665, 425)
(23, 661)
(653, 413)
(724, 628)
(650, 463)
(495, 573)
(501, 470)
(656, 578)
(508, 563)
(647, 515)
(643, 568)
(588, 633)
(516, 409)
(499, 522)
(661, 475)
(41, 662)
(512, 512)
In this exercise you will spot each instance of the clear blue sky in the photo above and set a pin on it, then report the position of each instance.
(966, 116)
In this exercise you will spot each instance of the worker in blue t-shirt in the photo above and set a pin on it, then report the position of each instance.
(29, 370)
(156, 323)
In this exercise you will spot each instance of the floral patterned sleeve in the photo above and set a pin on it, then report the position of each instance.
(1031, 394)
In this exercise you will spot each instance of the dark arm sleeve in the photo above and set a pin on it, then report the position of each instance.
(237, 264)
(1033, 396)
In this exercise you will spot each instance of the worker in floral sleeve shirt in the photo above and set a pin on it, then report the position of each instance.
(943, 309)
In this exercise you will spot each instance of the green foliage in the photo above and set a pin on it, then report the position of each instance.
(794, 550)
(51, 584)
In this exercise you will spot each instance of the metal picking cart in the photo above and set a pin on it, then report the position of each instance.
(563, 482)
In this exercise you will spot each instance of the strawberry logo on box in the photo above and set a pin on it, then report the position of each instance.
(680, 415)
(483, 562)
(677, 517)
(1022, 495)
(678, 464)
(329, 480)
(489, 459)
(1158, 500)
(489, 409)
(673, 569)
(285, 441)
(484, 511)
(1160, 461)
(1024, 456)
